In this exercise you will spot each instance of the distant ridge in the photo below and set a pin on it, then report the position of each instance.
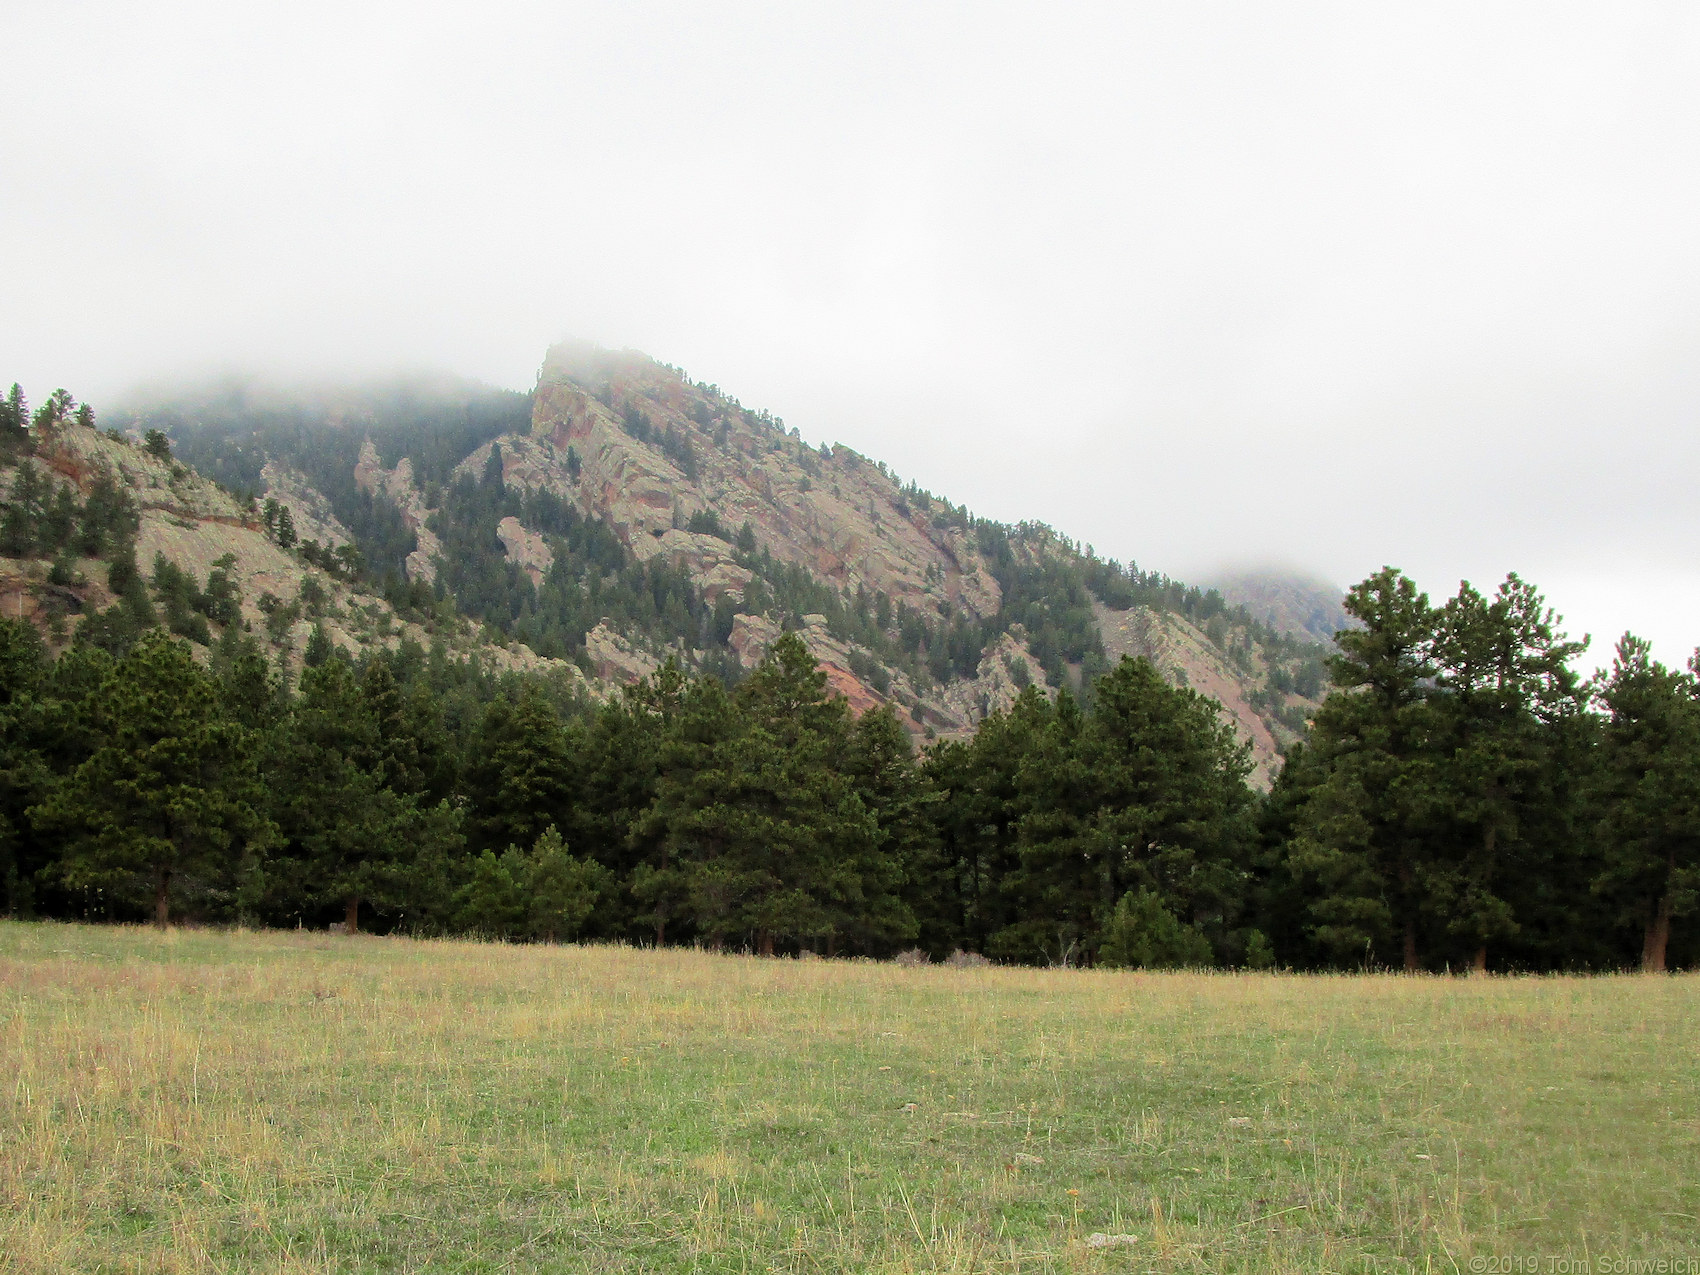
(1296, 604)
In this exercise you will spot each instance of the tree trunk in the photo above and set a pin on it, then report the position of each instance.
(1478, 964)
(831, 944)
(765, 943)
(162, 898)
(352, 922)
(1407, 888)
(660, 933)
(1658, 938)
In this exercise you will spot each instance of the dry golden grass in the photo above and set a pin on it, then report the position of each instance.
(199, 1101)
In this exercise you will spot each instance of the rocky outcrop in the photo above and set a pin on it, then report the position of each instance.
(527, 463)
(707, 559)
(614, 659)
(397, 484)
(309, 511)
(950, 710)
(751, 636)
(198, 526)
(1006, 669)
(81, 454)
(844, 518)
(529, 550)
(1186, 657)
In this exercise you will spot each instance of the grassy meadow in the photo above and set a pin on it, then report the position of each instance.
(210, 1101)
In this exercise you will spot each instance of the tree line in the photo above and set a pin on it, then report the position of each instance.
(1464, 800)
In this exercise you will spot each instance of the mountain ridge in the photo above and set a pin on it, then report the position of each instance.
(623, 513)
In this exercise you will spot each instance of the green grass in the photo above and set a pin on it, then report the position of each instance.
(205, 1101)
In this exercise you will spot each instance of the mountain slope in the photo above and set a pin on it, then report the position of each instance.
(623, 513)
(1296, 604)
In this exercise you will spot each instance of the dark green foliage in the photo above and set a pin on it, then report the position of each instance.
(1143, 933)
(14, 424)
(1462, 799)
(1649, 783)
(561, 890)
(672, 441)
(353, 815)
(519, 776)
(164, 810)
(704, 522)
(594, 577)
(183, 605)
(1439, 816)
(1145, 790)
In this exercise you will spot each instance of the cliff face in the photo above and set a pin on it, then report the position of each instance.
(829, 510)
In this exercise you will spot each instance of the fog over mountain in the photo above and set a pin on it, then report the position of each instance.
(1202, 287)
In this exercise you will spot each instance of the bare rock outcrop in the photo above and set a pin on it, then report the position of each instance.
(615, 659)
(1005, 670)
(397, 484)
(309, 511)
(1186, 657)
(828, 509)
(526, 548)
(707, 559)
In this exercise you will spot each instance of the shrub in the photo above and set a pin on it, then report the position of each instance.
(1144, 934)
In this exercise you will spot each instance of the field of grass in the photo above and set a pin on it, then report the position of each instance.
(205, 1101)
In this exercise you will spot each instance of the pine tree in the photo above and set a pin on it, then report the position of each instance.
(904, 853)
(1142, 933)
(25, 775)
(492, 902)
(980, 805)
(167, 802)
(1503, 684)
(680, 839)
(561, 890)
(1362, 836)
(1650, 795)
(520, 779)
(1146, 791)
(358, 840)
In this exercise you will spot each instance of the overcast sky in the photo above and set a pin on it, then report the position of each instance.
(1205, 285)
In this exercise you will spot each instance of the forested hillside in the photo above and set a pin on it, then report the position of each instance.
(206, 716)
(624, 514)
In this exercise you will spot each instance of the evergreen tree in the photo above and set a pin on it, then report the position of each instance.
(1142, 933)
(492, 903)
(903, 865)
(674, 734)
(356, 839)
(1650, 795)
(1503, 684)
(1147, 790)
(165, 806)
(1363, 835)
(981, 801)
(561, 890)
(519, 779)
(25, 775)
